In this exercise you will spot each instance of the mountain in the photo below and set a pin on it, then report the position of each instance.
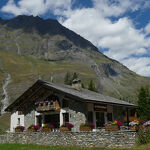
(32, 48)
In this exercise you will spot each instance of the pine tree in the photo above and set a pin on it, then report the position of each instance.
(70, 77)
(83, 86)
(74, 76)
(67, 79)
(91, 86)
(144, 103)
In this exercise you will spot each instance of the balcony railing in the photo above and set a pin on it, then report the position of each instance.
(47, 106)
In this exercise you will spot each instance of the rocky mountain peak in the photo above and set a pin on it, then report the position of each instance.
(48, 26)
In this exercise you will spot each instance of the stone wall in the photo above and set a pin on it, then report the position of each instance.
(83, 139)
(29, 117)
(77, 114)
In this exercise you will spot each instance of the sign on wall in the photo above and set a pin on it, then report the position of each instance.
(100, 107)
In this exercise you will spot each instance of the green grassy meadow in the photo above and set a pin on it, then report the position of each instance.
(40, 147)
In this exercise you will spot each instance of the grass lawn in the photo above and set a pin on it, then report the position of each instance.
(39, 147)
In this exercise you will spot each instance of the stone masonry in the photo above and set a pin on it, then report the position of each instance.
(83, 139)
(77, 114)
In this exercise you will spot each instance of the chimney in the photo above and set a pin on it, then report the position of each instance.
(76, 84)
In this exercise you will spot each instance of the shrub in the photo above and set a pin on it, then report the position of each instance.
(143, 137)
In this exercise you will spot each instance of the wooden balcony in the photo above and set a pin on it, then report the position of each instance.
(47, 107)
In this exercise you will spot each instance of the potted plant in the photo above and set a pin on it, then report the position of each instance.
(66, 127)
(113, 126)
(147, 125)
(47, 127)
(33, 128)
(134, 125)
(87, 126)
(19, 129)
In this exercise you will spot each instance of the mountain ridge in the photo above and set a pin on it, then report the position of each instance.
(31, 47)
(49, 26)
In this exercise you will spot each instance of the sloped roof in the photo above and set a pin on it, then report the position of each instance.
(88, 95)
(83, 95)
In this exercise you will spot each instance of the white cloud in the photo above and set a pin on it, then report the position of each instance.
(120, 37)
(139, 65)
(36, 7)
(118, 7)
(147, 28)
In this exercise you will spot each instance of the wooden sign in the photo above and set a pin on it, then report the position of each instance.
(100, 107)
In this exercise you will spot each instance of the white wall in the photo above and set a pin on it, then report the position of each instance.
(63, 110)
(14, 120)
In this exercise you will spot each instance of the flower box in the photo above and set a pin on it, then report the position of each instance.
(135, 127)
(112, 128)
(85, 128)
(64, 129)
(32, 130)
(46, 130)
(18, 130)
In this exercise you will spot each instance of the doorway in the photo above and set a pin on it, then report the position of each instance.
(100, 119)
(52, 119)
(39, 120)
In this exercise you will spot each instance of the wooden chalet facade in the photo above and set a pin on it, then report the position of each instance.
(53, 103)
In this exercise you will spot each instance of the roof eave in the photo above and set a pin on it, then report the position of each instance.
(8, 109)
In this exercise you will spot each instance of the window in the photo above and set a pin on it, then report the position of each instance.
(51, 103)
(109, 116)
(65, 117)
(90, 116)
(39, 120)
(18, 121)
(65, 103)
(132, 112)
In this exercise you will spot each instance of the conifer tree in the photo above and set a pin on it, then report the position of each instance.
(67, 79)
(83, 86)
(74, 76)
(144, 103)
(91, 86)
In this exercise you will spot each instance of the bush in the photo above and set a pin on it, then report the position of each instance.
(143, 137)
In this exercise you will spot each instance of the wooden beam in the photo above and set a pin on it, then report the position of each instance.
(30, 96)
(127, 116)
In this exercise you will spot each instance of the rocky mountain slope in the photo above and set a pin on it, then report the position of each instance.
(32, 48)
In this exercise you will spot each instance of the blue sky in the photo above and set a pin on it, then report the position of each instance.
(120, 29)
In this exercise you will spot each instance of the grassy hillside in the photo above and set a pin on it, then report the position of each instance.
(25, 70)
(4, 122)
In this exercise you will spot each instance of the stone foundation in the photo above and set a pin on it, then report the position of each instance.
(83, 139)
